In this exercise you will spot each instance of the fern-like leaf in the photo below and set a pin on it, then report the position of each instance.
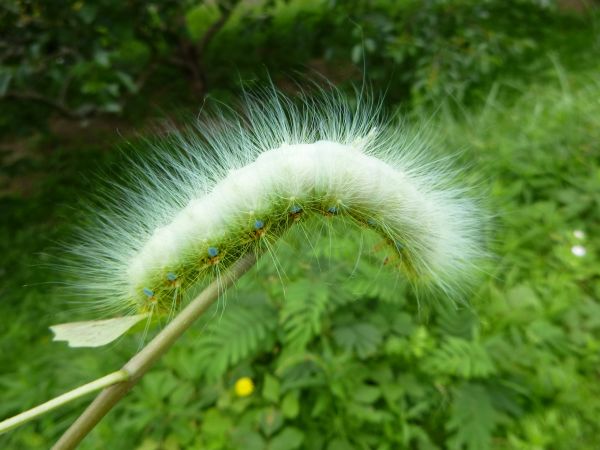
(240, 332)
(362, 338)
(472, 419)
(373, 281)
(462, 358)
(452, 320)
(304, 306)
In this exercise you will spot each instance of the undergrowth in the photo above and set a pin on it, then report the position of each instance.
(342, 355)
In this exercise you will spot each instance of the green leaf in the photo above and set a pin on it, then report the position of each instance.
(158, 386)
(241, 331)
(456, 356)
(372, 282)
(215, 423)
(456, 322)
(182, 395)
(321, 405)
(472, 418)
(247, 439)
(366, 393)
(305, 304)
(290, 406)
(271, 388)
(113, 107)
(127, 81)
(362, 338)
(368, 413)
(289, 439)
(395, 346)
(339, 444)
(102, 58)
(522, 296)
(403, 324)
(271, 420)
(88, 12)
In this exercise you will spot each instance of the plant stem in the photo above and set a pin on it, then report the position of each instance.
(137, 366)
(30, 414)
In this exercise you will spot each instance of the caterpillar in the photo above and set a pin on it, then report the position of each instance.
(239, 180)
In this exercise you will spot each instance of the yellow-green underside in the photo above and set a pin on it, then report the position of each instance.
(196, 265)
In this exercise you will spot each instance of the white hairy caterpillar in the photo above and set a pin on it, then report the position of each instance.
(241, 180)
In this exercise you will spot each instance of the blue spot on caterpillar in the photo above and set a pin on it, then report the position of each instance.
(295, 209)
(171, 276)
(333, 210)
(213, 251)
(258, 224)
(148, 292)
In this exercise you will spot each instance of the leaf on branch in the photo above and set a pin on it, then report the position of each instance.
(94, 333)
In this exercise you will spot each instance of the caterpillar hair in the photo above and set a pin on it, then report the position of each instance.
(238, 180)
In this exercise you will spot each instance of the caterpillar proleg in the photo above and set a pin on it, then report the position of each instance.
(238, 179)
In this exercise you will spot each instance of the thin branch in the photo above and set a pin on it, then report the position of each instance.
(30, 414)
(64, 89)
(141, 362)
(213, 30)
(143, 76)
(34, 96)
(193, 54)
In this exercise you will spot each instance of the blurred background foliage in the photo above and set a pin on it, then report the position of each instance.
(340, 353)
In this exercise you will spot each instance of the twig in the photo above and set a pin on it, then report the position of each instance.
(141, 362)
(193, 54)
(96, 385)
(213, 30)
(36, 97)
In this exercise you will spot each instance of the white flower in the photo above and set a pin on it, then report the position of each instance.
(579, 234)
(578, 250)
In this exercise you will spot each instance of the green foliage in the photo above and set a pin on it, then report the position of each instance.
(460, 358)
(435, 49)
(343, 355)
(78, 59)
(353, 361)
(239, 332)
(302, 312)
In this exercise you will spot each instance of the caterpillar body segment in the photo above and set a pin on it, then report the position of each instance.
(236, 183)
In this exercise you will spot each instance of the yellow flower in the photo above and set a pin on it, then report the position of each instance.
(244, 387)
